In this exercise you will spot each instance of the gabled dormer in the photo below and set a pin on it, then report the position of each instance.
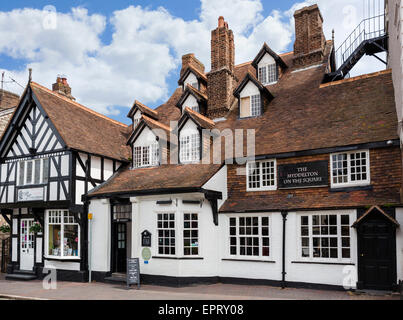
(149, 143)
(252, 97)
(191, 140)
(192, 73)
(193, 99)
(138, 110)
(269, 66)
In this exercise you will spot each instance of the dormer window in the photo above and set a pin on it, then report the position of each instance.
(146, 156)
(268, 73)
(195, 85)
(189, 148)
(136, 122)
(250, 106)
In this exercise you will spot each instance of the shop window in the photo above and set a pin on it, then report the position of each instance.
(249, 237)
(325, 236)
(190, 234)
(261, 175)
(350, 169)
(166, 234)
(33, 172)
(63, 237)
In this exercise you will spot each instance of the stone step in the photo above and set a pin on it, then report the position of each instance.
(20, 277)
(29, 272)
(115, 280)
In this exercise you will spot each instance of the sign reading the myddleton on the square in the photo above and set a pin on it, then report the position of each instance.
(303, 175)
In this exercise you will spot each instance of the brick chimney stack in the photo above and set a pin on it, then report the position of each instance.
(62, 87)
(221, 78)
(190, 60)
(310, 41)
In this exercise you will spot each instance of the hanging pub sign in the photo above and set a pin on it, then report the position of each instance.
(303, 175)
(146, 239)
(133, 272)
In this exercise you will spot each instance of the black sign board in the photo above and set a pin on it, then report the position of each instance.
(303, 175)
(133, 272)
(146, 239)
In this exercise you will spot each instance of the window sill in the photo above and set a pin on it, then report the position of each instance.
(261, 190)
(251, 117)
(248, 260)
(325, 263)
(351, 188)
(177, 258)
(64, 259)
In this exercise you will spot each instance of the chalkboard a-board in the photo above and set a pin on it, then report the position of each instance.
(133, 272)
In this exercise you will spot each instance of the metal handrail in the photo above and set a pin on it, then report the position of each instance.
(369, 28)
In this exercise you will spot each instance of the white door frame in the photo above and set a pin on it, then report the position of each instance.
(26, 245)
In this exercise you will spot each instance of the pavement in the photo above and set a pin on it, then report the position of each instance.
(33, 290)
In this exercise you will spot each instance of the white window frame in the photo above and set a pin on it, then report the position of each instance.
(252, 97)
(238, 256)
(261, 188)
(267, 68)
(176, 222)
(153, 160)
(136, 122)
(191, 145)
(311, 258)
(62, 224)
(183, 231)
(41, 172)
(350, 183)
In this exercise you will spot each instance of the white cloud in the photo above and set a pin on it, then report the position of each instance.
(146, 45)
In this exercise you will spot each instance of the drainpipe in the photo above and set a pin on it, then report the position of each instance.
(284, 214)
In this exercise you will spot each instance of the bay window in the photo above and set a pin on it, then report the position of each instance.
(350, 169)
(261, 175)
(325, 236)
(63, 234)
(189, 148)
(33, 172)
(146, 156)
(249, 237)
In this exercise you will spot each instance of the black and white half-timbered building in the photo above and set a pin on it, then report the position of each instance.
(53, 153)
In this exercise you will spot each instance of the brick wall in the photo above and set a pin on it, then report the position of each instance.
(386, 180)
(309, 38)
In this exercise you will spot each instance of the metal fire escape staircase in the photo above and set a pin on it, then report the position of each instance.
(369, 38)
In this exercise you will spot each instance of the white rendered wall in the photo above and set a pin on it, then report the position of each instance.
(267, 59)
(191, 78)
(219, 183)
(190, 102)
(249, 90)
(189, 128)
(101, 235)
(146, 138)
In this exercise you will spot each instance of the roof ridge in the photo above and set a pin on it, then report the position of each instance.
(200, 116)
(361, 77)
(78, 104)
(156, 122)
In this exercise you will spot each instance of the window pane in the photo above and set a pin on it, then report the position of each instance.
(71, 241)
(29, 172)
(22, 172)
(254, 175)
(37, 175)
(255, 106)
(45, 170)
(55, 240)
(272, 73)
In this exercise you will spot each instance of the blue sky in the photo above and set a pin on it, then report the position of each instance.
(114, 52)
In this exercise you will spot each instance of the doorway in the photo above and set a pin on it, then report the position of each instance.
(120, 247)
(26, 245)
(377, 251)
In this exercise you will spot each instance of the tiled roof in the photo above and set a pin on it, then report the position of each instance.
(84, 129)
(144, 109)
(158, 178)
(201, 120)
